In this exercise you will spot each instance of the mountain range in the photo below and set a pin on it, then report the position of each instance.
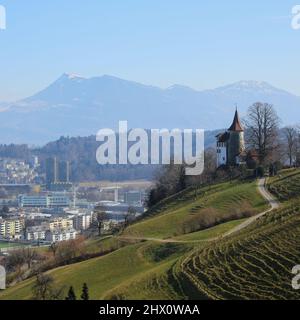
(77, 106)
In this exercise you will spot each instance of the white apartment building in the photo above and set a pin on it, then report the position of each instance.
(11, 228)
(61, 235)
(36, 233)
(83, 221)
(60, 223)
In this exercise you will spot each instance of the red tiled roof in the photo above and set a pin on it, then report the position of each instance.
(236, 124)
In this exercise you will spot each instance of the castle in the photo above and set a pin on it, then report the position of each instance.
(231, 144)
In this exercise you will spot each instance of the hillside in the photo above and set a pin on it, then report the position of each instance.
(254, 263)
(195, 210)
(134, 262)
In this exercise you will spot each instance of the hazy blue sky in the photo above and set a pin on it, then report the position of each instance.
(203, 44)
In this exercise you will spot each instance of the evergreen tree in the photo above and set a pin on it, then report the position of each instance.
(71, 294)
(85, 292)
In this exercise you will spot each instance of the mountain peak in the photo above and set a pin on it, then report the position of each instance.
(71, 76)
(253, 84)
(180, 87)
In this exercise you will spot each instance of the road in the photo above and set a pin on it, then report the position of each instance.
(274, 204)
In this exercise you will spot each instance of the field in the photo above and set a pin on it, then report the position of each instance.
(210, 206)
(254, 263)
(4, 245)
(108, 272)
(286, 186)
(210, 233)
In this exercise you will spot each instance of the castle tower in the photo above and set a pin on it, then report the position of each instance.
(231, 144)
(236, 142)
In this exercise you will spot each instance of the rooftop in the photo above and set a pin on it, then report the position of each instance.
(236, 124)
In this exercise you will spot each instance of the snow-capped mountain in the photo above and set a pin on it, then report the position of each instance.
(78, 106)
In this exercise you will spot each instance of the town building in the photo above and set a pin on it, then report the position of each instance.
(83, 221)
(60, 223)
(64, 171)
(51, 171)
(57, 200)
(11, 228)
(36, 233)
(231, 144)
(57, 174)
(61, 235)
(26, 201)
(133, 197)
(43, 201)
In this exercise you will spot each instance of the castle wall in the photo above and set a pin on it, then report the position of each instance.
(236, 145)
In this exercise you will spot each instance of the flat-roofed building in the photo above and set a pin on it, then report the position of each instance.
(60, 223)
(36, 233)
(11, 228)
(83, 221)
(61, 235)
(43, 201)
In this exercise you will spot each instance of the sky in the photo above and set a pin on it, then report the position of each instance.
(201, 44)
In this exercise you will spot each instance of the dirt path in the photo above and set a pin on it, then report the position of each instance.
(132, 238)
(274, 204)
(271, 200)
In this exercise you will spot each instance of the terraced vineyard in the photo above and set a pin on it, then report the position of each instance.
(287, 185)
(256, 264)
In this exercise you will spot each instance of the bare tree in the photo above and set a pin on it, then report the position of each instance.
(15, 262)
(53, 248)
(129, 216)
(44, 288)
(262, 130)
(101, 216)
(68, 250)
(29, 255)
(210, 166)
(291, 143)
(169, 179)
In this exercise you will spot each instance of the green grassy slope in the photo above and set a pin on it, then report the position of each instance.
(9, 245)
(210, 233)
(226, 201)
(131, 265)
(108, 272)
(256, 263)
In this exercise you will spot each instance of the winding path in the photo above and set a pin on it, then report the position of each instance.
(274, 204)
